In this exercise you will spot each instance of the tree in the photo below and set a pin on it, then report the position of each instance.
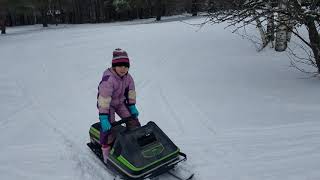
(3, 12)
(43, 7)
(159, 9)
(282, 17)
(6, 6)
(281, 43)
(122, 7)
(138, 6)
(194, 8)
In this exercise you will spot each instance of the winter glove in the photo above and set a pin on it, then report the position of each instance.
(134, 111)
(104, 121)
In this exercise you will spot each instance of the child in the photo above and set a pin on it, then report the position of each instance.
(116, 94)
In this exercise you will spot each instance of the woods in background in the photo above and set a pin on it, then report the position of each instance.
(27, 12)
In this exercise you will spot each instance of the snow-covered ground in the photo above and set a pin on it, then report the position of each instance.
(237, 113)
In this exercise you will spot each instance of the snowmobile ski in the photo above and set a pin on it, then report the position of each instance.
(185, 175)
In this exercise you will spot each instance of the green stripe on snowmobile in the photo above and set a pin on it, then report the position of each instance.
(95, 132)
(125, 162)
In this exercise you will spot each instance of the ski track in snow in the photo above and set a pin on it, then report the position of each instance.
(171, 111)
(86, 164)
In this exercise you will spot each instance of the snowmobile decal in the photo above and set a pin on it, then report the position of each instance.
(153, 151)
(133, 168)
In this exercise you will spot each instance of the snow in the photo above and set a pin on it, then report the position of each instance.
(237, 113)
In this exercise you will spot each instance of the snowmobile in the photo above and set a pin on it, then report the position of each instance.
(145, 152)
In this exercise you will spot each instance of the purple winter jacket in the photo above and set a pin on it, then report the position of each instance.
(114, 90)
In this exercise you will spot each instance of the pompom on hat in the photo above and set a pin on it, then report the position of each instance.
(120, 58)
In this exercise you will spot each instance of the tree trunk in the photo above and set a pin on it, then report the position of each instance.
(270, 24)
(281, 38)
(137, 13)
(44, 18)
(148, 11)
(290, 25)
(262, 33)
(281, 34)
(78, 19)
(141, 13)
(99, 11)
(3, 26)
(9, 19)
(314, 40)
(158, 10)
(194, 8)
(2, 21)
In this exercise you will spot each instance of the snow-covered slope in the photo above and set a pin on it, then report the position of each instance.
(237, 113)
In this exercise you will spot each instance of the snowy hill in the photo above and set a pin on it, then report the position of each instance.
(237, 113)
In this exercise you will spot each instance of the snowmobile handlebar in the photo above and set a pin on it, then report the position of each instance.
(122, 121)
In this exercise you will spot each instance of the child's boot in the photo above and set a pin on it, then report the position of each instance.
(105, 152)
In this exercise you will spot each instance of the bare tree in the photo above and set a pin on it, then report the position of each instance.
(282, 18)
(3, 6)
(6, 6)
(194, 8)
(42, 6)
(99, 11)
(159, 9)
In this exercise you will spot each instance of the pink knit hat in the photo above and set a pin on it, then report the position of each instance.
(120, 58)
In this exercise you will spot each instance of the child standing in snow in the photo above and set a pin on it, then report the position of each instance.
(116, 94)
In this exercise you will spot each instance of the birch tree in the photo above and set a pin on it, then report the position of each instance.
(282, 27)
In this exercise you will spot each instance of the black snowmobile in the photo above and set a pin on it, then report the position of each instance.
(141, 153)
